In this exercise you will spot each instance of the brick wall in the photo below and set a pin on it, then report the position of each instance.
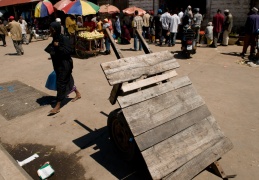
(144, 4)
(238, 8)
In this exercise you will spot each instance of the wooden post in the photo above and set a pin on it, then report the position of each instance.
(146, 49)
(116, 88)
(217, 170)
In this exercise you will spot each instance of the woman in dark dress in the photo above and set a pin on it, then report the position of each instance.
(60, 50)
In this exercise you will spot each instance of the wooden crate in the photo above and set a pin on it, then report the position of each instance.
(170, 122)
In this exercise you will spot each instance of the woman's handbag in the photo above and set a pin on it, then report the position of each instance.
(50, 49)
(51, 83)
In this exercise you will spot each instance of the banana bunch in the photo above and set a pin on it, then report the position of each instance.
(90, 35)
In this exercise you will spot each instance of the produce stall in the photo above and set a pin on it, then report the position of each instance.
(88, 43)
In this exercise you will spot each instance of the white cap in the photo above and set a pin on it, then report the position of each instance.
(58, 20)
(254, 9)
(226, 10)
(189, 7)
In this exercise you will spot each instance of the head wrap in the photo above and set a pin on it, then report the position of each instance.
(57, 27)
(210, 24)
(159, 11)
(254, 9)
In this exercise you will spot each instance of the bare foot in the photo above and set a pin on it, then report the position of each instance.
(76, 98)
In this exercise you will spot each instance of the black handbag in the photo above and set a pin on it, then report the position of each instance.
(50, 49)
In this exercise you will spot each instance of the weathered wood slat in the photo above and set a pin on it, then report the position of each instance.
(135, 73)
(131, 68)
(149, 93)
(128, 62)
(148, 81)
(168, 129)
(176, 151)
(200, 162)
(156, 111)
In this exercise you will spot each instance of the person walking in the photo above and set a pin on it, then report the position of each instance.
(165, 20)
(218, 21)
(107, 43)
(137, 25)
(146, 24)
(3, 32)
(117, 27)
(196, 26)
(16, 35)
(60, 51)
(251, 27)
(23, 25)
(157, 24)
(227, 27)
(173, 28)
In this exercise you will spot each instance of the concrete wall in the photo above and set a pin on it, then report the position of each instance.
(145, 4)
(238, 8)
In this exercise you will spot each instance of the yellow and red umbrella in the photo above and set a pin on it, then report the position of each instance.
(43, 9)
(110, 9)
(81, 7)
(131, 11)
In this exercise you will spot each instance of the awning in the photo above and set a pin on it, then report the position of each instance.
(15, 2)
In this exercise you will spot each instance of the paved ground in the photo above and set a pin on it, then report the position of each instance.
(75, 141)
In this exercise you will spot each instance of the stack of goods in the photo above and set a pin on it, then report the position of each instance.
(90, 35)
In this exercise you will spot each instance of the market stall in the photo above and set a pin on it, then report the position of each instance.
(88, 43)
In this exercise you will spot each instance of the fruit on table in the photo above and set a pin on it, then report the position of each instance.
(90, 35)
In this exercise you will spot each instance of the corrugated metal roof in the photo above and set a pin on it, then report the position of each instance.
(14, 2)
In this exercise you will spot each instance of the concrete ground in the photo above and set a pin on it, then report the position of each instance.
(75, 141)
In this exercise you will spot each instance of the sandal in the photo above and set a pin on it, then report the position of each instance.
(51, 113)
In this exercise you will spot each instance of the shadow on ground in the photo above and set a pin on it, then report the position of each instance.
(66, 165)
(51, 100)
(232, 54)
(108, 157)
(180, 55)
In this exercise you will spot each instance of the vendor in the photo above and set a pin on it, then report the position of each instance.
(71, 29)
(99, 27)
(89, 24)
(79, 21)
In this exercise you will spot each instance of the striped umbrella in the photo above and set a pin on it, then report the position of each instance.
(81, 7)
(43, 9)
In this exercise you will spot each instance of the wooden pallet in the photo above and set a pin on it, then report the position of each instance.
(172, 127)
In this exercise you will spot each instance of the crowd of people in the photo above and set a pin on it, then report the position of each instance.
(160, 29)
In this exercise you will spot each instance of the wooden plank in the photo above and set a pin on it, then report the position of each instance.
(168, 129)
(132, 62)
(200, 162)
(146, 94)
(116, 88)
(156, 111)
(132, 68)
(115, 93)
(116, 50)
(174, 152)
(148, 81)
(145, 46)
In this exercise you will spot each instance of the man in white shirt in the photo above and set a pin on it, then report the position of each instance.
(174, 22)
(165, 20)
(23, 25)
